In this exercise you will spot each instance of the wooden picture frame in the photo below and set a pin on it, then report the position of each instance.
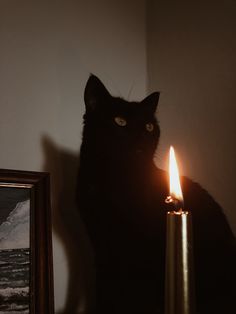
(26, 272)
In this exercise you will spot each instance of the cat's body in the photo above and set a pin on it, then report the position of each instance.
(121, 197)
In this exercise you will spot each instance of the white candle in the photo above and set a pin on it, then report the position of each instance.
(179, 288)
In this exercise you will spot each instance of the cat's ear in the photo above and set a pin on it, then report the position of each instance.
(151, 102)
(95, 93)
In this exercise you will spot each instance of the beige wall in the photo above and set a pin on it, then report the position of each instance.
(48, 49)
(191, 50)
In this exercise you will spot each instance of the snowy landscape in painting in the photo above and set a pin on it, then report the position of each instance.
(15, 260)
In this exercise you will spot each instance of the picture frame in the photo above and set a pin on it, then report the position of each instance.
(26, 268)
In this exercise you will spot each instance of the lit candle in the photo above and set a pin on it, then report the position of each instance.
(179, 294)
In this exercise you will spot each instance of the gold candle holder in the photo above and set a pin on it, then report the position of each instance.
(179, 283)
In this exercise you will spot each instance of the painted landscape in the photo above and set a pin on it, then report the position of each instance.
(14, 281)
(14, 252)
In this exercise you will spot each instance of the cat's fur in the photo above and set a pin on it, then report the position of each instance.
(121, 196)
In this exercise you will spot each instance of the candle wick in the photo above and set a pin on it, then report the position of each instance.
(177, 204)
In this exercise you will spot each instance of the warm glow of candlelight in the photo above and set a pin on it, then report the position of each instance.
(175, 188)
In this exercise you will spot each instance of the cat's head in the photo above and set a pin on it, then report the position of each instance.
(116, 126)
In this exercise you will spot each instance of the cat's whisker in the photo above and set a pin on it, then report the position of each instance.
(130, 90)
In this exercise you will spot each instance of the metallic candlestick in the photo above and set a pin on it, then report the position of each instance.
(179, 283)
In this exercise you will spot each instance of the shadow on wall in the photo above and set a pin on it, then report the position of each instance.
(63, 167)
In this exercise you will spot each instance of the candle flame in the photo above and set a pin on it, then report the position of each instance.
(175, 187)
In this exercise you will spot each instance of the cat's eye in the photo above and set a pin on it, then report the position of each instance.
(149, 127)
(120, 121)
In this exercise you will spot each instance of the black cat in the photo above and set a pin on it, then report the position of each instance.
(121, 197)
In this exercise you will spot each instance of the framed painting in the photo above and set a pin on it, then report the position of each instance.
(26, 274)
